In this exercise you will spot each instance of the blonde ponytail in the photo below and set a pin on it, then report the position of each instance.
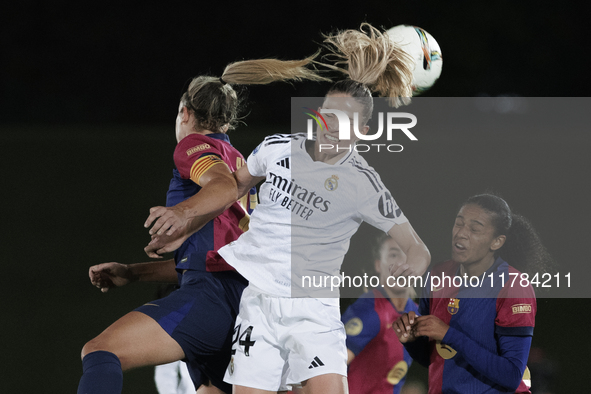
(264, 71)
(214, 102)
(369, 57)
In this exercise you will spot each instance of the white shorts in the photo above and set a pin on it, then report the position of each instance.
(284, 341)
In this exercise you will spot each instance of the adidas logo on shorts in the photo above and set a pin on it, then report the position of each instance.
(284, 163)
(316, 363)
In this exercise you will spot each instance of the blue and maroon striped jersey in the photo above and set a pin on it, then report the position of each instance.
(491, 324)
(193, 156)
(381, 362)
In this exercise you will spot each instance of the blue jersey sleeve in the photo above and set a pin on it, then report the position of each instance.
(362, 324)
(506, 368)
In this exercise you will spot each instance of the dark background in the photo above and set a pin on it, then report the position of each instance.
(88, 97)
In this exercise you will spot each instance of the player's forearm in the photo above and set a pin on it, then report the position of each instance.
(154, 271)
(417, 254)
(419, 258)
(212, 200)
(505, 369)
(245, 181)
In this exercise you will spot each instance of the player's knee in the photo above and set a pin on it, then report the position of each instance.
(92, 346)
(86, 349)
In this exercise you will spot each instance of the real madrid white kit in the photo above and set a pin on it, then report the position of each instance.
(289, 329)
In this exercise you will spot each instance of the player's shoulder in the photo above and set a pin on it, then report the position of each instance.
(361, 314)
(277, 145)
(358, 167)
(196, 143)
(369, 296)
(517, 284)
(198, 149)
(281, 139)
(365, 303)
(449, 267)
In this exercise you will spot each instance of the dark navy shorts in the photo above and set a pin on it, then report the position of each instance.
(200, 316)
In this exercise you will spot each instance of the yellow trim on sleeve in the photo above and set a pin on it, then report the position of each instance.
(203, 164)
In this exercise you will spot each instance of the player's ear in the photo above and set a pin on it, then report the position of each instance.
(364, 130)
(185, 114)
(378, 266)
(498, 242)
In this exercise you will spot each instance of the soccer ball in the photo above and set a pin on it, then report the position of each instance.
(424, 50)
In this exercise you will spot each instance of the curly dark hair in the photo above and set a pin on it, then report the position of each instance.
(523, 248)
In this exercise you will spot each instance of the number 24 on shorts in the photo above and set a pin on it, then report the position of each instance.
(243, 340)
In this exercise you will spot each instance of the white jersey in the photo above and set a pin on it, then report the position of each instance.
(308, 211)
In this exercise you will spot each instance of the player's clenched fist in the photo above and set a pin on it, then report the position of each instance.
(404, 327)
(430, 326)
(107, 275)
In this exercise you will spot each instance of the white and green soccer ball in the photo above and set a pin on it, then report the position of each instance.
(424, 50)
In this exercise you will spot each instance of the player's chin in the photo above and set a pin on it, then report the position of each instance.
(329, 149)
(457, 256)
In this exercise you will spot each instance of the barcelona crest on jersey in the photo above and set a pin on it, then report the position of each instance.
(453, 306)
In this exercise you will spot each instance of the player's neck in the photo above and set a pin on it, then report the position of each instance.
(397, 297)
(477, 268)
(399, 303)
(202, 132)
(317, 155)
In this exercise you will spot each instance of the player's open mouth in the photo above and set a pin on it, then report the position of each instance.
(459, 246)
(331, 138)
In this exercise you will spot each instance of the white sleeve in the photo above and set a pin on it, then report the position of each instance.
(381, 210)
(256, 163)
(272, 146)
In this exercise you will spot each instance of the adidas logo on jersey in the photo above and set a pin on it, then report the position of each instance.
(316, 363)
(284, 163)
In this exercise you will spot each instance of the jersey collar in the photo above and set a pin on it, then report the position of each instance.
(493, 268)
(219, 136)
(341, 161)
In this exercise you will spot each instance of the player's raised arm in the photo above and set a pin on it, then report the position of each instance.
(418, 256)
(220, 189)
